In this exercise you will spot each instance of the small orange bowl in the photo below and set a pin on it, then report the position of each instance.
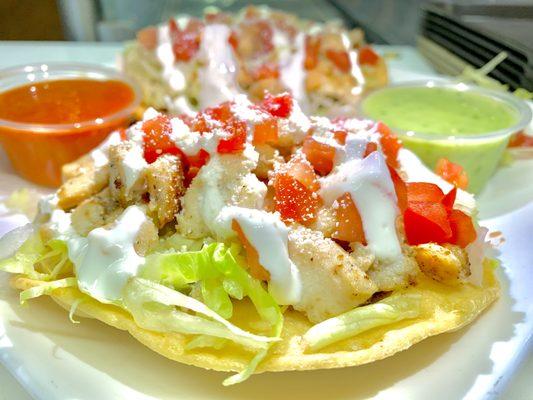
(39, 148)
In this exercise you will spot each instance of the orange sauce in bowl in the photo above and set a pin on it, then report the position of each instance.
(46, 124)
(64, 101)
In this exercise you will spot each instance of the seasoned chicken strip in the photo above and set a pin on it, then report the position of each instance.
(82, 186)
(226, 180)
(165, 183)
(333, 281)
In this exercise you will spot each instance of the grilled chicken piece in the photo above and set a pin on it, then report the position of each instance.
(268, 157)
(225, 180)
(165, 182)
(76, 168)
(447, 264)
(95, 212)
(126, 173)
(333, 281)
(146, 239)
(82, 186)
(394, 275)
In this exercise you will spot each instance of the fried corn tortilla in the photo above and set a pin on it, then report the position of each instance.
(444, 309)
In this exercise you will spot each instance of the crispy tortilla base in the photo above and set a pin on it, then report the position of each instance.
(445, 309)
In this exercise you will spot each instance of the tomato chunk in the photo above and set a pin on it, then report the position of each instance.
(400, 188)
(252, 256)
(147, 37)
(521, 140)
(424, 191)
(278, 106)
(452, 173)
(463, 230)
(157, 139)
(367, 56)
(390, 144)
(265, 71)
(341, 59)
(426, 222)
(186, 42)
(340, 136)
(295, 191)
(312, 47)
(237, 137)
(196, 162)
(266, 132)
(449, 199)
(370, 148)
(349, 226)
(320, 155)
(221, 113)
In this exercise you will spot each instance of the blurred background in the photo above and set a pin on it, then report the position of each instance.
(450, 34)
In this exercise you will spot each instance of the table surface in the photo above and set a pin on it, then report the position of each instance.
(405, 61)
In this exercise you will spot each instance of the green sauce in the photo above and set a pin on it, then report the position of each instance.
(439, 111)
(441, 114)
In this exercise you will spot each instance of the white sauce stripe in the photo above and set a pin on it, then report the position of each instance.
(268, 235)
(369, 184)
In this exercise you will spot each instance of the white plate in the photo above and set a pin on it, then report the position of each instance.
(55, 359)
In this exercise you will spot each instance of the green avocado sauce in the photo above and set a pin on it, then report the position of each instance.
(443, 113)
(439, 111)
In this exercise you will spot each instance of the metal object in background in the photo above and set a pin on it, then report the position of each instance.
(455, 33)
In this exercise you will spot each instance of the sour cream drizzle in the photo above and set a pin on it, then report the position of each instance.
(217, 77)
(269, 236)
(292, 72)
(355, 69)
(369, 184)
(106, 258)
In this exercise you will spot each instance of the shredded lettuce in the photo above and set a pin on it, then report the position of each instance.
(216, 272)
(154, 307)
(46, 288)
(38, 260)
(23, 201)
(392, 309)
(218, 269)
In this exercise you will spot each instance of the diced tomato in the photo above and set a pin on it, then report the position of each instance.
(199, 123)
(370, 148)
(452, 173)
(293, 200)
(237, 139)
(463, 230)
(122, 133)
(349, 227)
(367, 56)
(400, 188)
(312, 47)
(147, 37)
(186, 42)
(266, 35)
(195, 163)
(279, 105)
(265, 71)
(221, 113)
(423, 191)
(340, 59)
(266, 132)
(295, 191)
(300, 169)
(390, 144)
(157, 139)
(340, 136)
(252, 256)
(320, 155)
(426, 222)
(233, 40)
(521, 140)
(449, 199)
